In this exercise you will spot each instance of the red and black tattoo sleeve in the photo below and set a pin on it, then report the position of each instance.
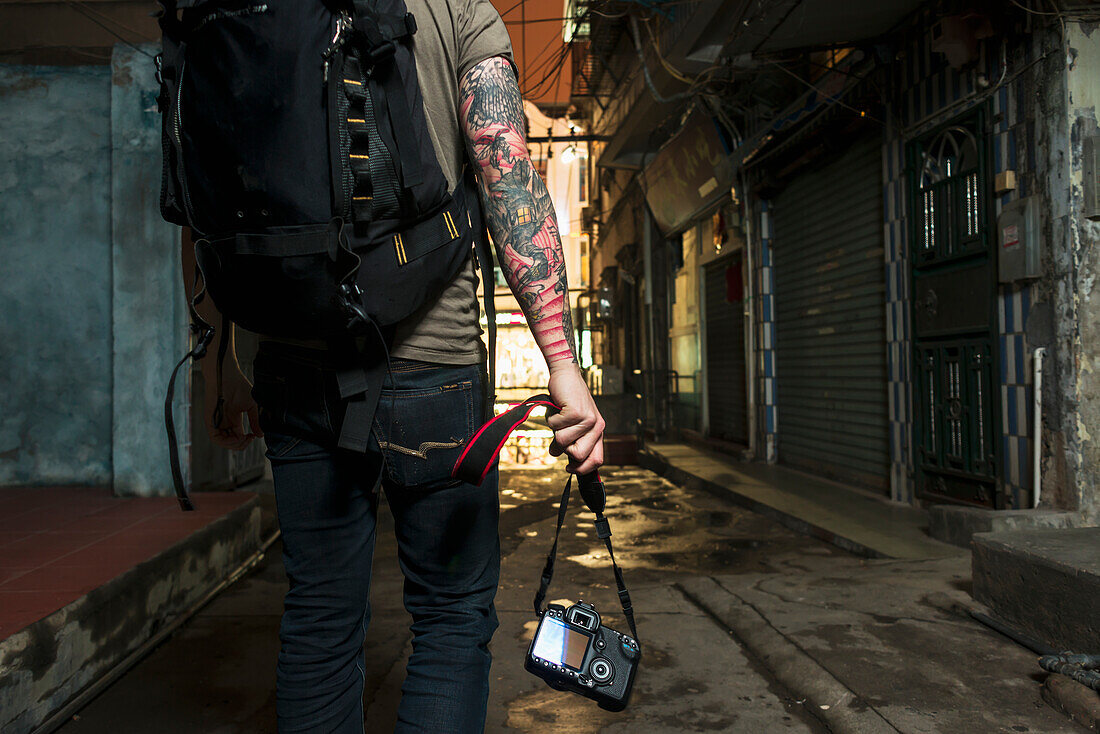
(520, 214)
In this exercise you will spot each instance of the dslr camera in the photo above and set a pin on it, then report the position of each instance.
(573, 651)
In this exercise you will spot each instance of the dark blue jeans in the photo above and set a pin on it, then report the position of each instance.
(327, 499)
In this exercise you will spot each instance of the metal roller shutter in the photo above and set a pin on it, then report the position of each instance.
(726, 400)
(830, 319)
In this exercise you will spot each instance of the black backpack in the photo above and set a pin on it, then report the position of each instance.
(296, 149)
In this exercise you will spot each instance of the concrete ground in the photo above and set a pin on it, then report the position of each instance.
(745, 625)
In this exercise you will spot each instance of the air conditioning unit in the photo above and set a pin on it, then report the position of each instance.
(589, 215)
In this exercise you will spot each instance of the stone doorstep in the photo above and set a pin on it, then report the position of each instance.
(1044, 582)
(48, 663)
(956, 524)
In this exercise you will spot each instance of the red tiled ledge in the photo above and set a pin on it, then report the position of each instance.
(59, 543)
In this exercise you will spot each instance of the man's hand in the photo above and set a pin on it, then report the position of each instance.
(237, 394)
(578, 428)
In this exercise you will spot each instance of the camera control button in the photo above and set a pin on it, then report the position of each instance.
(601, 670)
(600, 644)
(630, 650)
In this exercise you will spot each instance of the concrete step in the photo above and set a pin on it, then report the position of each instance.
(1043, 582)
(956, 524)
(109, 597)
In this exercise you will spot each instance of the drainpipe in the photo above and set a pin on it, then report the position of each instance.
(749, 315)
(1037, 423)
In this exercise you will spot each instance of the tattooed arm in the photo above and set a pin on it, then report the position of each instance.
(524, 227)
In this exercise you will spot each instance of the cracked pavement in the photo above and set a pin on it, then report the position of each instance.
(745, 626)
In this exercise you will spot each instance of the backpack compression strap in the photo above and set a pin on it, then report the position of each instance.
(481, 453)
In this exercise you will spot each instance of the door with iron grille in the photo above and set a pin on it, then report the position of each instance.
(954, 306)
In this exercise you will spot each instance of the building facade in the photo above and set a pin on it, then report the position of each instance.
(860, 241)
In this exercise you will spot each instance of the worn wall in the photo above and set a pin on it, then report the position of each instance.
(94, 317)
(1082, 237)
(148, 307)
(1024, 98)
(55, 246)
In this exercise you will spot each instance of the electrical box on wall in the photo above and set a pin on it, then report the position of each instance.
(1090, 168)
(1018, 240)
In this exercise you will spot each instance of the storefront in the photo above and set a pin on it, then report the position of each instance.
(724, 316)
(831, 391)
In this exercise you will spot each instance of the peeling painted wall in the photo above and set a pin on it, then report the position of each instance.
(148, 305)
(92, 303)
(1051, 321)
(1030, 134)
(1082, 99)
(55, 246)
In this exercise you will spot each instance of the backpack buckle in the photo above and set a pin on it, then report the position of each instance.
(351, 301)
(382, 52)
(206, 335)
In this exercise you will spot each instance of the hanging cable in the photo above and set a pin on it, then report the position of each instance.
(645, 69)
(88, 12)
(676, 73)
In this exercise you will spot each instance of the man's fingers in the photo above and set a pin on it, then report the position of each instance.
(594, 460)
(568, 436)
(562, 419)
(237, 442)
(580, 449)
(231, 434)
(254, 421)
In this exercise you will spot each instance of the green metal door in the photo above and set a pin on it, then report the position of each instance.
(954, 301)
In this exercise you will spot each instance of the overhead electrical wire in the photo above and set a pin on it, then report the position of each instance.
(552, 68)
(1073, 16)
(551, 78)
(89, 13)
(549, 68)
(834, 97)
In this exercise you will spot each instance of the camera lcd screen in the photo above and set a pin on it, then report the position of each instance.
(560, 644)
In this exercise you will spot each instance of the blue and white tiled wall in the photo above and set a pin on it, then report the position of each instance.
(933, 93)
(899, 351)
(765, 336)
(1014, 301)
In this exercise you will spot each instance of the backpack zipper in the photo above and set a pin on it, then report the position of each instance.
(338, 105)
(343, 22)
(177, 126)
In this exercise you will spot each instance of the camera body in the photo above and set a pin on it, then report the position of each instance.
(573, 651)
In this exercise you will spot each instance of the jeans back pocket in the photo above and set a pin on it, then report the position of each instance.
(422, 431)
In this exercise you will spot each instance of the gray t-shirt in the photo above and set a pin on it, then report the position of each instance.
(452, 36)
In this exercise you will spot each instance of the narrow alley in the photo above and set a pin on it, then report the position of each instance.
(685, 554)
(815, 283)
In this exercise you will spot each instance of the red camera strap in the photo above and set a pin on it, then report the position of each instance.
(482, 451)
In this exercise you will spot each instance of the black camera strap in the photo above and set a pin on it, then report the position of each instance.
(478, 458)
(592, 492)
